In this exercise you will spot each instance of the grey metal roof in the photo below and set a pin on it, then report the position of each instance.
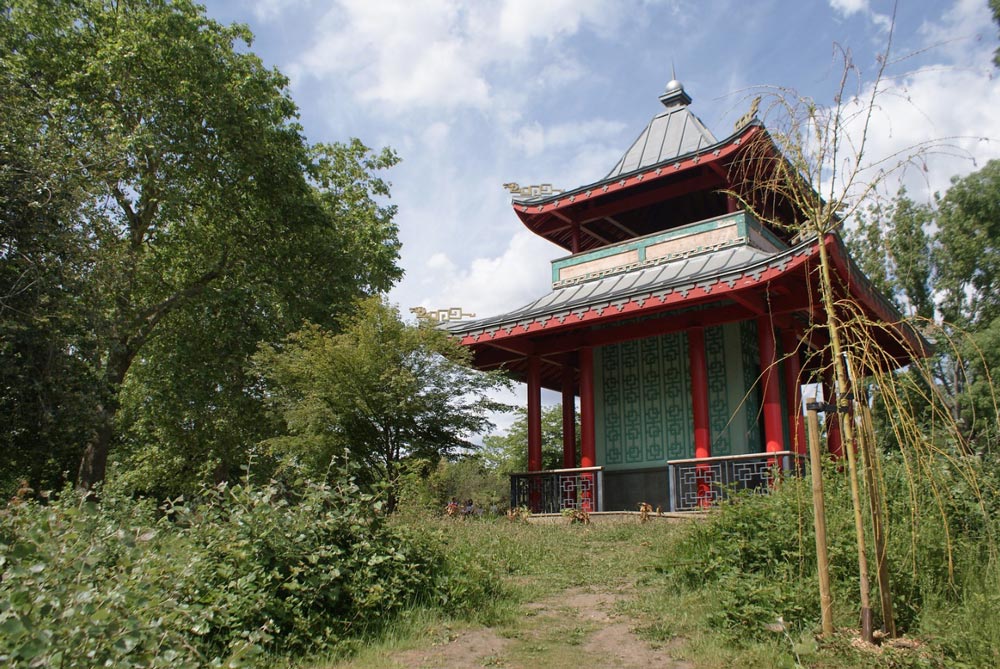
(672, 133)
(681, 274)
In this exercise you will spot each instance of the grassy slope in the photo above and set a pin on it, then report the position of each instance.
(538, 562)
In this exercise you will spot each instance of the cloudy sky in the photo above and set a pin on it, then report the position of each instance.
(479, 93)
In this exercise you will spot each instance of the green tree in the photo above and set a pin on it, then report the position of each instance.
(45, 390)
(379, 392)
(995, 8)
(208, 223)
(891, 244)
(507, 453)
(967, 248)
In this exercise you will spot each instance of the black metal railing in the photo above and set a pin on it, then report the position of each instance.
(701, 482)
(553, 490)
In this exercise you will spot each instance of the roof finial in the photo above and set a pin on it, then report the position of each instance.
(674, 96)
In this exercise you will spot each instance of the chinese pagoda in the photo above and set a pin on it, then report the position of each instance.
(680, 321)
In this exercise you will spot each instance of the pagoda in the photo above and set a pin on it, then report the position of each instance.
(679, 320)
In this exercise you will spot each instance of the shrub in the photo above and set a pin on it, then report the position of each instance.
(755, 555)
(220, 580)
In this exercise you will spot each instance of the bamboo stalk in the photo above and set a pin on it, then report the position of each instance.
(819, 518)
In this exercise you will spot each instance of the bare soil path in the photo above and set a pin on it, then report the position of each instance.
(579, 626)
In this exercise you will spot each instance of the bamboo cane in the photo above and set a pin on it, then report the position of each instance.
(819, 518)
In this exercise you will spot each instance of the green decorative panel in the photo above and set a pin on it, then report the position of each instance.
(642, 397)
(751, 382)
(653, 415)
(631, 394)
(677, 396)
(609, 400)
(718, 404)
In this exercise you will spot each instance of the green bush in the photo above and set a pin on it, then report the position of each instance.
(223, 579)
(754, 558)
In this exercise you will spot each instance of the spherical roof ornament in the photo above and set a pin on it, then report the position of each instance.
(674, 95)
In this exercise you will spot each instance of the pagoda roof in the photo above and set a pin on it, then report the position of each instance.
(589, 313)
(670, 282)
(670, 134)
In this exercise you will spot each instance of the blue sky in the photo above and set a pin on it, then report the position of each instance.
(476, 94)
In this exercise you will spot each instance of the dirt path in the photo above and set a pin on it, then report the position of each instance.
(581, 626)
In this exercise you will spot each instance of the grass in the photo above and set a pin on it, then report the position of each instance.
(540, 565)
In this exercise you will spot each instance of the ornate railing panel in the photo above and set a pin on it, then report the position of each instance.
(557, 489)
(701, 482)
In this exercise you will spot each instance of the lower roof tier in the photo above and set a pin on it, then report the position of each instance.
(700, 289)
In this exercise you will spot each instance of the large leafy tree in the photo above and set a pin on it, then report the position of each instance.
(204, 220)
(45, 390)
(950, 280)
(379, 392)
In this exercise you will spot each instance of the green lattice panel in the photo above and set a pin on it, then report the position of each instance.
(677, 396)
(631, 394)
(718, 402)
(751, 372)
(611, 405)
(652, 399)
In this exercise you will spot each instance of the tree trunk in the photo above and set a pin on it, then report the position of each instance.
(94, 464)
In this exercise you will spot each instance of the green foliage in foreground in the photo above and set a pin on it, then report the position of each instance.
(234, 578)
(754, 559)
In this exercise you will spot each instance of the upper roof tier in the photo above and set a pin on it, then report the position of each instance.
(671, 133)
(675, 173)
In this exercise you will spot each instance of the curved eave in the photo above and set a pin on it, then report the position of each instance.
(887, 318)
(515, 331)
(571, 206)
(650, 299)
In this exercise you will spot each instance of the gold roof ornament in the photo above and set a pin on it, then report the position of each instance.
(528, 192)
(744, 120)
(441, 315)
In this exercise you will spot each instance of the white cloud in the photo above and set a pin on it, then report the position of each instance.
(534, 138)
(958, 33)
(401, 54)
(849, 7)
(489, 286)
(440, 262)
(266, 10)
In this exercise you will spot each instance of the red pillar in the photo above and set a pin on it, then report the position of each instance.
(534, 414)
(569, 418)
(699, 405)
(699, 392)
(588, 444)
(793, 390)
(771, 392)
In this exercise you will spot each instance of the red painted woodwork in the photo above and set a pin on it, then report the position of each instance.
(793, 391)
(770, 391)
(699, 404)
(588, 445)
(699, 392)
(534, 415)
(569, 418)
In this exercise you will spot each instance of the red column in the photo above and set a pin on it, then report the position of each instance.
(588, 444)
(771, 392)
(699, 405)
(534, 414)
(699, 392)
(569, 418)
(793, 390)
